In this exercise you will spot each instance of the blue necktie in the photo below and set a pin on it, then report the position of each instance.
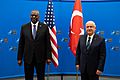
(34, 31)
(88, 43)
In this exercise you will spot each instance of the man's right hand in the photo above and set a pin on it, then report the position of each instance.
(19, 62)
(77, 67)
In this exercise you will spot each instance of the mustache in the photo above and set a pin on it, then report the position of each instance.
(89, 30)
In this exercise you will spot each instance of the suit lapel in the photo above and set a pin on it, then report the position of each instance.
(94, 41)
(30, 31)
(38, 30)
(84, 40)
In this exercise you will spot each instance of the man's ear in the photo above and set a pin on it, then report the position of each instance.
(38, 17)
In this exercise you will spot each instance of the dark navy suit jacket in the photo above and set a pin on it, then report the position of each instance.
(91, 59)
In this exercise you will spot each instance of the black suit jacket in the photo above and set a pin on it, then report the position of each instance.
(40, 47)
(91, 59)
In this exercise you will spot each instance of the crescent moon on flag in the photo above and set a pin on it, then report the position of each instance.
(77, 13)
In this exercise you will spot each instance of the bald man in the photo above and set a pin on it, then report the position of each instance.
(90, 53)
(34, 47)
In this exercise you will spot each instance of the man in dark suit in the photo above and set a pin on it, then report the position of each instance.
(90, 53)
(34, 47)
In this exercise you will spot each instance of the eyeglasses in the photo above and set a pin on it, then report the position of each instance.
(33, 15)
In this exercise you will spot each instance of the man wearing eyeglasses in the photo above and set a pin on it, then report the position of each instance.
(90, 53)
(34, 47)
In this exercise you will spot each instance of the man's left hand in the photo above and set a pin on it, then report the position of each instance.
(98, 72)
(48, 61)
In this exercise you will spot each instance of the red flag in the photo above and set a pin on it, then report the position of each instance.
(76, 26)
(50, 21)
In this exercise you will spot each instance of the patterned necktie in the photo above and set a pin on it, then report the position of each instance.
(88, 43)
(34, 31)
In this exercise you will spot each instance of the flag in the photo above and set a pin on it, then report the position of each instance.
(50, 21)
(76, 26)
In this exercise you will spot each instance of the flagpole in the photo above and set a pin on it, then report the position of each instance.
(77, 69)
(48, 71)
(76, 74)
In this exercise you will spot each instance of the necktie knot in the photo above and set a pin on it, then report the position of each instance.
(34, 26)
(89, 39)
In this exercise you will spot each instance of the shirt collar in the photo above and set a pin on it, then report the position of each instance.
(35, 24)
(91, 36)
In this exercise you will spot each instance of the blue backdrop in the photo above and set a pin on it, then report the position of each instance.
(14, 13)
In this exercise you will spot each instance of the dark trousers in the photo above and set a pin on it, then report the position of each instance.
(86, 76)
(29, 70)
